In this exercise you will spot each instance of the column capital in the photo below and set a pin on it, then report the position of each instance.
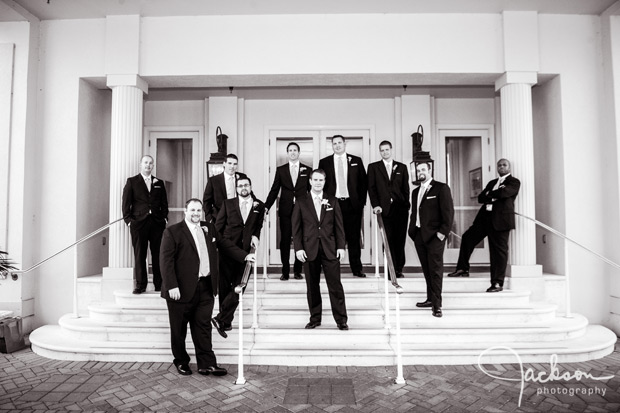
(127, 80)
(529, 78)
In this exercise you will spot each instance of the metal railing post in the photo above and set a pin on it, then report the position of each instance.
(255, 300)
(376, 246)
(400, 379)
(75, 282)
(567, 282)
(240, 378)
(387, 292)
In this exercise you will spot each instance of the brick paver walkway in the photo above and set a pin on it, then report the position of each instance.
(29, 382)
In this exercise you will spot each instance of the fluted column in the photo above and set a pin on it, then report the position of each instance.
(518, 147)
(125, 154)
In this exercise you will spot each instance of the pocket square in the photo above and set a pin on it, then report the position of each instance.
(329, 209)
(353, 164)
(431, 197)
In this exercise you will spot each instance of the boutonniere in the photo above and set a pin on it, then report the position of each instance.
(237, 176)
(205, 229)
(302, 168)
(255, 204)
(349, 158)
(154, 180)
(394, 168)
(326, 204)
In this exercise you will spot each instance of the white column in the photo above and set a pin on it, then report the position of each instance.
(125, 154)
(518, 147)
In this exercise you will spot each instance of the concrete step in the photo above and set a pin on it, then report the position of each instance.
(52, 342)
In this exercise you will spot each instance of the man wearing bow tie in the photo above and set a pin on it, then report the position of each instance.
(388, 190)
(239, 221)
(292, 178)
(221, 187)
(145, 211)
(189, 269)
(318, 237)
(495, 219)
(432, 213)
(346, 180)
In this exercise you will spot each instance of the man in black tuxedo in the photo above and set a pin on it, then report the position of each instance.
(432, 213)
(318, 237)
(293, 179)
(189, 269)
(239, 221)
(145, 211)
(495, 219)
(221, 187)
(388, 190)
(346, 180)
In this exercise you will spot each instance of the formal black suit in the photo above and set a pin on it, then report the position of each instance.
(283, 181)
(392, 195)
(436, 216)
(496, 224)
(230, 225)
(352, 207)
(180, 264)
(146, 213)
(215, 194)
(320, 238)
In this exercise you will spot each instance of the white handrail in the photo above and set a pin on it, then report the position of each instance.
(376, 247)
(387, 292)
(240, 378)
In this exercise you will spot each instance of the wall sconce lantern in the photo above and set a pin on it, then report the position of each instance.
(419, 156)
(215, 164)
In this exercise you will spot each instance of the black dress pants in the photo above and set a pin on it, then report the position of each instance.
(352, 220)
(197, 312)
(286, 233)
(431, 259)
(334, 286)
(142, 234)
(396, 230)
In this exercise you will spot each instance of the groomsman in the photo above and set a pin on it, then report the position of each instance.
(239, 221)
(293, 179)
(221, 187)
(495, 219)
(388, 190)
(346, 180)
(145, 211)
(432, 213)
(318, 236)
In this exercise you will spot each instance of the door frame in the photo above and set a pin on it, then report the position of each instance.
(486, 132)
(319, 133)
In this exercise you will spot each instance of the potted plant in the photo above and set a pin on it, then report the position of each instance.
(6, 265)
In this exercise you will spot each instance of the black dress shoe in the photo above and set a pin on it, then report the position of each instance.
(139, 290)
(424, 304)
(298, 276)
(312, 324)
(437, 312)
(227, 328)
(284, 277)
(218, 327)
(400, 275)
(459, 273)
(343, 326)
(495, 288)
(359, 274)
(183, 369)
(215, 370)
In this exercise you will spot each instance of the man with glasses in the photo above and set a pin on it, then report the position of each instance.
(292, 178)
(239, 221)
(221, 187)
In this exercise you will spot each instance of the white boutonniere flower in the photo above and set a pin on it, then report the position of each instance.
(302, 168)
(325, 203)
(205, 229)
(394, 168)
(349, 158)
(237, 176)
(255, 204)
(154, 180)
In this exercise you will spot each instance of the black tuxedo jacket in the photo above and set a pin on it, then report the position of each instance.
(436, 211)
(357, 183)
(284, 181)
(387, 192)
(180, 263)
(503, 201)
(229, 222)
(309, 231)
(215, 194)
(137, 201)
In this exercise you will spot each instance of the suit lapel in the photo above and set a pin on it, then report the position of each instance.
(323, 209)
(287, 174)
(384, 171)
(190, 238)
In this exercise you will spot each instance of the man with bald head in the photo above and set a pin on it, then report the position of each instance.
(495, 219)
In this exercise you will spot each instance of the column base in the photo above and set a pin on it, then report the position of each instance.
(524, 271)
(115, 279)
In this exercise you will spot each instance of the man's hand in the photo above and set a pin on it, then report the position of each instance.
(377, 210)
(254, 242)
(250, 257)
(340, 254)
(441, 236)
(301, 255)
(175, 293)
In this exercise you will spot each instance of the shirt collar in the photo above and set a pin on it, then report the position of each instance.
(344, 155)
(241, 200)
(295, 163)
(190, 224)
(146, 177)
(501, 178)
(427, 184)
(315, 195)
(386, 163)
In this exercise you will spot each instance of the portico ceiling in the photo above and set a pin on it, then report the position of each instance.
(20, 10)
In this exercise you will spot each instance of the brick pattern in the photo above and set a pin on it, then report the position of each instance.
(29, 382)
